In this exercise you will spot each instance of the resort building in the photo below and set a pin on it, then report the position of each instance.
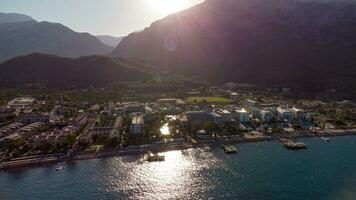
(265, 115)
(285, 114)
(225, 114)
(199, 117)
(132, 108)
(300, 114)
(33, 118)
(104, 131)
(242, 115)
(137, 125)
(79, 121)
(21, 102)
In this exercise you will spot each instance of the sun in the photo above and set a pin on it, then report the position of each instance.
(170, 6)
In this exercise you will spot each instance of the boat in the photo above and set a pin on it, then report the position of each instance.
(59, 167)
(151, 157)
(292, 145)
(229, 149)
(325, 139)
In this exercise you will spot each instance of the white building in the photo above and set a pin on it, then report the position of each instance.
(137, 125)
(285, 114)
(242, 115)
(300, 114)
(225, 114)
(21, 102)
(265, 115)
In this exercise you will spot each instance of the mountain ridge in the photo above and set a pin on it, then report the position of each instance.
(22, 38)
(272, 43)
(14, 17)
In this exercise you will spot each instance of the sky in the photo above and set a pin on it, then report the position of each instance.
(98, 17)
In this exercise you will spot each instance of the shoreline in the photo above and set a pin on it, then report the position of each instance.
(50, 159)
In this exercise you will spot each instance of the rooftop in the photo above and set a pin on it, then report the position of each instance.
(242, 110)
(137, 120)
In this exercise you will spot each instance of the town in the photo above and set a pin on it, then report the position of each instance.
(38, 129)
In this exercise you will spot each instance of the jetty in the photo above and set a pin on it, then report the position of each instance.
(32, 160)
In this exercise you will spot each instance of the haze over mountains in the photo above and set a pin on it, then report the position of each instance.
(21, 35)
(109, 40)
(268, 42)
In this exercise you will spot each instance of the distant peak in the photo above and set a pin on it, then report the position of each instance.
(14, 17)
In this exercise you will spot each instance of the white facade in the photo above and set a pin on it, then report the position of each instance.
(21, 102)
(225, 114)
(242, 115)
(300, 114)
(137, 125)
(265, 115)
(285, 114)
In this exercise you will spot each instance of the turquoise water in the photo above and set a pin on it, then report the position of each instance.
(259, 171)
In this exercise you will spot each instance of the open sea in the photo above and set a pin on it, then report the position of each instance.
(265, 170)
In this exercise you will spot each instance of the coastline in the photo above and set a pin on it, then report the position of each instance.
(51, 158)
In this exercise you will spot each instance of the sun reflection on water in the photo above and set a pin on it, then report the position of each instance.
(178, 177)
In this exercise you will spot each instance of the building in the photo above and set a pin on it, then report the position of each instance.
(216, 118)
(300, 114)
(197, 117)
(167, 101)
(285, 114)
(11, 137)
(21, 102)
(79, 121)
(33, 118)
(104, 131)
(265, 115)
(242, 115)
(203, 135)
(132, 108)
(250, 102)
(137, 125)
(225, 114)
(30, 128)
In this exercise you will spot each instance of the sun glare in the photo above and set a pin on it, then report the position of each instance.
(170, 6)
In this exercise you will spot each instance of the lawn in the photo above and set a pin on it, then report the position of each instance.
(208, 99)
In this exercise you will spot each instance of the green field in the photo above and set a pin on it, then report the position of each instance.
(208, 99)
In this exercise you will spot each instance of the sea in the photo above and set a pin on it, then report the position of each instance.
(263, 170)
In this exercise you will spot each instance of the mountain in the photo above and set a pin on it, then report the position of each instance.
(22, 38)
(109, 40)
(14, 17)
(268, 42)
(62, 73)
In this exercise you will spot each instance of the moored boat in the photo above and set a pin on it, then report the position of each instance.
(151, 157)
(325, 139)
(59, 167)
(228, 149)
(292, 145)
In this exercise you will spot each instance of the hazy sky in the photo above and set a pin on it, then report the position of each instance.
(104, 17)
